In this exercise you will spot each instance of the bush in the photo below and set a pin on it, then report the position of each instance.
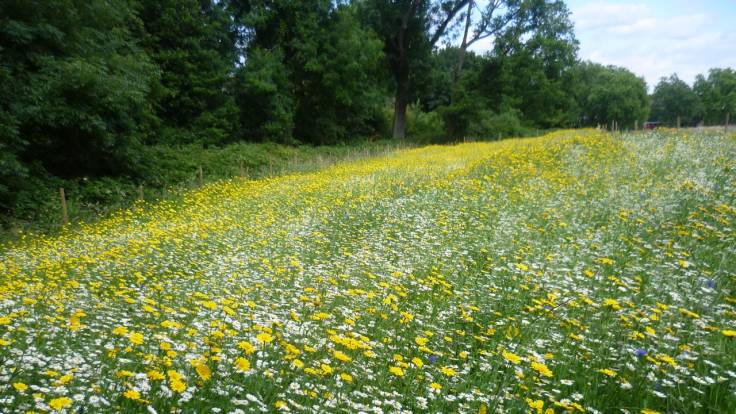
(424, 127)
(491, 125)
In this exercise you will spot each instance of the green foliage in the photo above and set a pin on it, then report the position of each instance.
(526, 74)
(193, 45)
(674, 98)
(491, 125)
(607, 94)
(74, 92)
(263, 95)
(315, 69)
(424, 127)
(717, 93)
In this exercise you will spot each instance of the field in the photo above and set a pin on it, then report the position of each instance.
(576, 272)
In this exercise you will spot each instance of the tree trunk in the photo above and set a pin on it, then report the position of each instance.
(464, 44)
(400, 104)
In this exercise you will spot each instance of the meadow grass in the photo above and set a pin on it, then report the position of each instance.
(576, 272)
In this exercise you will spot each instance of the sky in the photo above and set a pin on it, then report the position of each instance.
(656, 38)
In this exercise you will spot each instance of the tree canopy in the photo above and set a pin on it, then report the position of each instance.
(86, 85)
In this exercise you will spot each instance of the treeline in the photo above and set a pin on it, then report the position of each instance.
(711, 100)
(88, 87)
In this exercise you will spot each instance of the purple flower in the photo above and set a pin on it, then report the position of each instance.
(432, 359)
(640, 352)
(710, 283)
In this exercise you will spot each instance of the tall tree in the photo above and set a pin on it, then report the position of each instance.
(527, 73)
(607, 94)
(717, 92)
(673, 99)
(410, 29)
(75, 88)
(193, 44)
(323, 69)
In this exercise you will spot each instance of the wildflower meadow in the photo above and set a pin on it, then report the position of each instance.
(578, 272)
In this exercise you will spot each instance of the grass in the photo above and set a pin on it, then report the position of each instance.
(576, 272)
(167, 174)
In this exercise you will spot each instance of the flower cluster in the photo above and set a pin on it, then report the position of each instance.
(576, 272)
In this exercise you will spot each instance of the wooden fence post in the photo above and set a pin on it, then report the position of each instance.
(728, 116)
(140, 192)
(242, 170)
(270, 166)
(200, 174)
(678, 121)
(636, 125)
(64, 216)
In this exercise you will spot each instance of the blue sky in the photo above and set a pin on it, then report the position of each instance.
(657, 38)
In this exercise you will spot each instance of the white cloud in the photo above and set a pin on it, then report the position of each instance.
(652, 42)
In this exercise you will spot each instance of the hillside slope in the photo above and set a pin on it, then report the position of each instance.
(579, 272)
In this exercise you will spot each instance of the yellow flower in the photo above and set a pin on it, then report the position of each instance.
(648, 411)
(281, 405)
(729, 333)
(246, 347)
(341, 356)
(136, 338)
(154, 375)
(667, 359)
(537, 405)
(178, 386)
(346, 377)
(132, 395)
(264, 337)
(396, 371)
(435, 386)
(612, 303)
(417, 362)
(242, 364)
(120, 330)
(689, 314)
(326, 368)
(19, 386)
(511, 357)
(450, 372)
(541, 369)
(203, 371)
(60, 403)
(173, 375)
(609, 372)
(171, 324)
(421, 341)
(604, 260)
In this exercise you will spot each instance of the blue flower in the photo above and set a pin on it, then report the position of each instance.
(432, 359)
(640, 352)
